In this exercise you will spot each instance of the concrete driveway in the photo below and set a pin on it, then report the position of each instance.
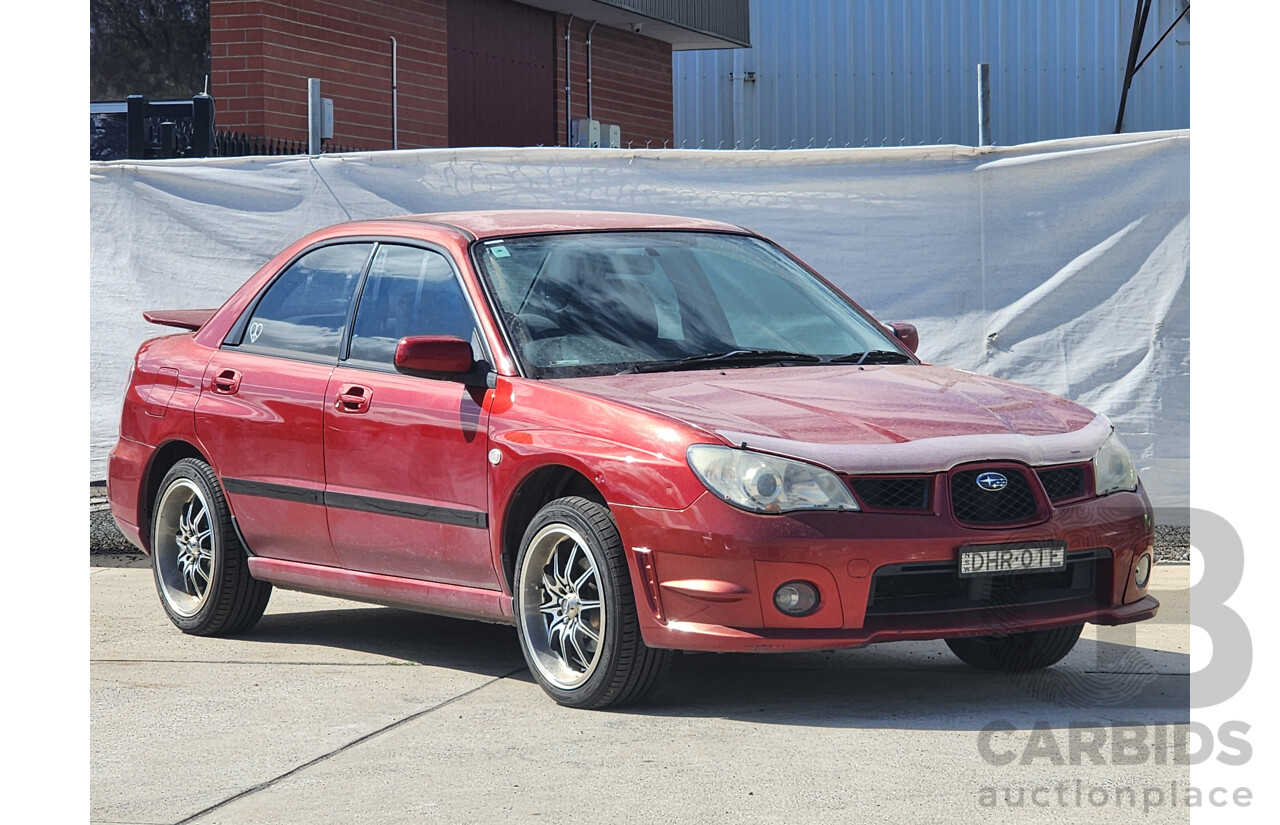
(333, 711)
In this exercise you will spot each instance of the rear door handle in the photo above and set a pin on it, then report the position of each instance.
(226, 382)
(353, 398)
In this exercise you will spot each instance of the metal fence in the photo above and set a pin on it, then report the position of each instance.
(175, 137)
(236, 145)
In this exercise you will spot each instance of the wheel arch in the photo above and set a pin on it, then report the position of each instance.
(543, 485)
(165, 456)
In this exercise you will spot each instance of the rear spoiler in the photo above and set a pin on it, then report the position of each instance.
(181, 318)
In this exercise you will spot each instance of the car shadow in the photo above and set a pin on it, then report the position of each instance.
(909, 685)
(921, 685)
(403, 635)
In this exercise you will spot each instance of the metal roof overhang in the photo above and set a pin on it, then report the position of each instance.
(686, 26)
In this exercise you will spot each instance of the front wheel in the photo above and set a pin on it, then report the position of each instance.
(576, 612)
(200, 568)
(1017, 651)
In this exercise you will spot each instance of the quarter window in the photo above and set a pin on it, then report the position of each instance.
(409, 291)
(304, 312)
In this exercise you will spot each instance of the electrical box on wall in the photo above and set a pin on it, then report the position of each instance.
(585, 133)
(326, 118)
(592, 134)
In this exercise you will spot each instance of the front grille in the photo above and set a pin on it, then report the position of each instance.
(893, 493)
(974, 505)
(931, 587)
(1063, 483)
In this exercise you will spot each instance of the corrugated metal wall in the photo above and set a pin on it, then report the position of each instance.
(892, 72)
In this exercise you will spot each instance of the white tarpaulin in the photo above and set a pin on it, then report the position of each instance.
(1063, 265)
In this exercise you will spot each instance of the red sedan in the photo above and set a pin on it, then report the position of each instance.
(625, 435)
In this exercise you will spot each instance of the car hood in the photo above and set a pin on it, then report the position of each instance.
(891, 418)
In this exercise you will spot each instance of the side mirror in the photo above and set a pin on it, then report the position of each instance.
(906, 333)
(440, 355)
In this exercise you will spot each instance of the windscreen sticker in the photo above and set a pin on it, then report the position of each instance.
(500, 251)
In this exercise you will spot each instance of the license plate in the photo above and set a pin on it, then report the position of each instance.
(1012, 558)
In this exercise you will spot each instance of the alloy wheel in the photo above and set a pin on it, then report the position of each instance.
(562, 611)
(184, 551)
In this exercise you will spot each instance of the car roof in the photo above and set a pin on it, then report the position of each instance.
(506, 222)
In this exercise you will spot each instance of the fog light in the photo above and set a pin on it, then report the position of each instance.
(796, 598)
(1142, 571)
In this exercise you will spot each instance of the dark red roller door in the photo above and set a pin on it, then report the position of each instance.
(501, 74)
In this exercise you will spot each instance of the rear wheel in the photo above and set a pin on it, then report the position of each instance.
(1017, 651)
(200, 568)
(576, 612)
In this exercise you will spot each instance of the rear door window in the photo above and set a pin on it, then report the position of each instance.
(304, 311)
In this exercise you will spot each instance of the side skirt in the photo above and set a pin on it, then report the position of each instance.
(392, 591)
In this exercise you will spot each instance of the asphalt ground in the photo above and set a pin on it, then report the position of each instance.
(331, 711)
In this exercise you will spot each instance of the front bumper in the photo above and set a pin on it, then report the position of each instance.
(704, 577)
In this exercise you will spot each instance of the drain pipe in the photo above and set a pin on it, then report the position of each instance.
(568, 83)
(589, 31)
(395, 100)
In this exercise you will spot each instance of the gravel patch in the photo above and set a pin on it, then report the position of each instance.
(104, 536)
(1173, 543)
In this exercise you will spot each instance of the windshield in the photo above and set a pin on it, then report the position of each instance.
(600, 303)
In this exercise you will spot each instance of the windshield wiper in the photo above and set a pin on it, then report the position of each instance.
(874, 356)
(731, 357)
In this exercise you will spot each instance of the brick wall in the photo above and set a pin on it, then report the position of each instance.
(631, 82)
(263, 51)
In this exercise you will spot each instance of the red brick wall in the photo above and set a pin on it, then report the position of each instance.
(263, 51)
(631, 82)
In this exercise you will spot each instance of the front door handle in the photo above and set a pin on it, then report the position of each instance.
(353, 398)
(226, 382)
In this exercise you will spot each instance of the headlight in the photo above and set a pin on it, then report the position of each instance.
(1113, 468)
(765, 483)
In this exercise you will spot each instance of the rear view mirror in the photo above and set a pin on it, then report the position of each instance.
(906, 333)
(437, 354)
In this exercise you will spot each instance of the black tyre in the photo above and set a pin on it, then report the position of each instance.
(576, 612)
(200, 568)
(1017, 651)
